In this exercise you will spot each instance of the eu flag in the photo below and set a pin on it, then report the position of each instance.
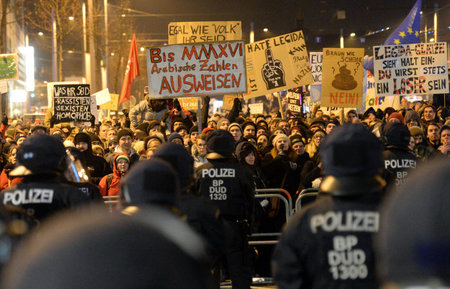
(408, 31)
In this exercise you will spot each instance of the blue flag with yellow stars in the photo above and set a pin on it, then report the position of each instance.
(408, 31)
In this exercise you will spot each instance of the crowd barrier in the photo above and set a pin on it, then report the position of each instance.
(310, 193)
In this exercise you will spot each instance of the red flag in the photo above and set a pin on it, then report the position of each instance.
(131, 72)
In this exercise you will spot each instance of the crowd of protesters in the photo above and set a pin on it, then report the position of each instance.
(276, 152)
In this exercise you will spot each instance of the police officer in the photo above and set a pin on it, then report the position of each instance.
(329, 243)
(398, 160)
(225, 182)
(41, 193)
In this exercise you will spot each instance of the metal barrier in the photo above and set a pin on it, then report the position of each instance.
(111, 202)
(287, 200)
(311, 192)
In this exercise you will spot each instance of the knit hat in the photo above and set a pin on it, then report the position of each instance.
(19, 135)
(175, 135)
(220, 142)
(234, 124)
(396, 134)
(180, 127)
(152, 124)
(122, 157)
(82, 137)
(412, 115)
(296, 138)
(208, 130)
(280, 136)
(247, 123)
(397, 115)
(124, 132)
(243, 149)
(220, 121)
(415, 131)
(194, 128)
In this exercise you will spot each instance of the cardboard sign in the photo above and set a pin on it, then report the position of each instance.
(256, 108)
(113, 104)
(3, 86)
(342, 78)
(277, 64)
(294, 102)
(228, 101)
(189, 103)
(8, 66)
(102, 96)
(419, 68)
(315, 60)
(50, 86)
(192, 70)
(72, 103)
(197, 32)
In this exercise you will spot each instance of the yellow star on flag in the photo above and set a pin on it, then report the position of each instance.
(396, 41)
(410, 31)
(417, 33)
(402, 34)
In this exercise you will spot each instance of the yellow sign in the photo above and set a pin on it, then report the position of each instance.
(189, 103)
(277, 64)
(342, 77)
(198, 32)
(113, 104)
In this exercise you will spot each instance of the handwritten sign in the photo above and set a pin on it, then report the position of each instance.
(189, 103)
(50, 86)
(204, 69)
(72, 103)
(113, 104)
(102, 96)
(256, 108)
(419, 68)
(8, 66)
(315, 60)
(228, 100)
(277, 64)
(294, 103)
(198, 32)
(342, 83)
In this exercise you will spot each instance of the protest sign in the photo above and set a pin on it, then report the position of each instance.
(315, 60)
(8, 66)
(294, 103)
(189, 103)
(3, 86)
(256, 108)
(204, 69)
(376, 101)
(228, 101)
(102, 96)
(277, 64)
(72, 103)
(50, 86)
(419, 68)
(202, 31)
(113, 104)
(342, 77)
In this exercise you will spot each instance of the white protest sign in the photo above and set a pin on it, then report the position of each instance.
(419, 68)
(193, 70)
(3, 86)
(256, 108)
(315, 60)
(202, 31)
(102, 96)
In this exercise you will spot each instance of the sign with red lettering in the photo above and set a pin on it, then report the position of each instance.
(277, 64)
(203, 69)
(419, 68)
(342, 77)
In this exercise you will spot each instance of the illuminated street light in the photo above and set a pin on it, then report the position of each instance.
(431, 39)
(142, 49)
(40, 33)
(353, 34)
(71, 18)
(112, 54)
(123, 15)
(266, 29)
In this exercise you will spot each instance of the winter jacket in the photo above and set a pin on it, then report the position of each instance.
(110, 184)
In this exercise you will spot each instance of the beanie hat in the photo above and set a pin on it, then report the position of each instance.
(39, 127)
(351, 150)
(243, 149)
(415, 131)
(280, 136)
(122, 157)
(143, 126)
(234, 124)
(19, 135)
(124, 132)
(152, 181)
(175, 135)
(397, 115)
(396, 134)
(208, 130)
(221, 142)
(194, 128)
(179, 128)
(220, 121)
(295, 139)
(152, 124)
(247, 123)
(82, 137)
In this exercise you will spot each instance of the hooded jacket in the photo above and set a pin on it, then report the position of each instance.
(113, 188)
